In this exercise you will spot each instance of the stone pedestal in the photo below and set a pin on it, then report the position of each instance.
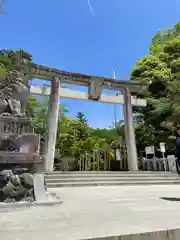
(19, 153)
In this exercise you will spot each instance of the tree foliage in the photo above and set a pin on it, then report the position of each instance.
(162, 68)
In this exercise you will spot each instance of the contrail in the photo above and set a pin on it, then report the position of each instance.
(91, 8)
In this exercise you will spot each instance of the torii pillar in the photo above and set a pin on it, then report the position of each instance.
(52, 125)
(129, 132)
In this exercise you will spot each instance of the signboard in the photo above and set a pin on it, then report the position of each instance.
(149, 150)
(162, 147)
(118, 154)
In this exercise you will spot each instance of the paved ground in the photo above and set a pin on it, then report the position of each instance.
(95, 211)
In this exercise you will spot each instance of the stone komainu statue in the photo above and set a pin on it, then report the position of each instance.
(14, 94)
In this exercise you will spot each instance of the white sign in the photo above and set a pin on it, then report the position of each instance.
(162, 147)
(149, 150)
(118, 154)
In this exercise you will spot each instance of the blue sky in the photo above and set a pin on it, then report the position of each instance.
(63, 34)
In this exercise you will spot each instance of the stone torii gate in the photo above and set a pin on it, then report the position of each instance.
(95, 85)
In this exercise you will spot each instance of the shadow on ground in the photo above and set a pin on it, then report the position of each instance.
(172, 199)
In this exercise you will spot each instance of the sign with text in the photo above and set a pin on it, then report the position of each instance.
(162, 147)
(118, 154)
(149, 150)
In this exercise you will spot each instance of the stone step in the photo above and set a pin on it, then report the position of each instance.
(112, 183)
(108, 172)
(115, 174)
(105, 179)
(73, 178)
(60, 176)
(100, 178)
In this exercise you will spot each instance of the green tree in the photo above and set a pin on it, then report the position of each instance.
(161, 67)
(81, 117)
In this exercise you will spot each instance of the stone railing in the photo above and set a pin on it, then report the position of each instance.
(11, 124)
(18, 142)
(159, 164)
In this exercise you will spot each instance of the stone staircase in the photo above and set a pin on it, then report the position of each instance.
(103, 178)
